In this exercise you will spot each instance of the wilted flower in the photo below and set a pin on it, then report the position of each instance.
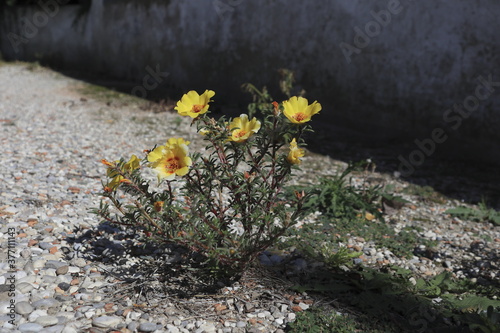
(295, 153)
(171, 159)
(193, 105)
(297, 110)
(241, 128)
(159, 205)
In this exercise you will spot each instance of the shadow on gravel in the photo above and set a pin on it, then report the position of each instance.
(144, 271)
(381, 302)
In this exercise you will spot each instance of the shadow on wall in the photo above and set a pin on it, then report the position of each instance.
(410, 84)
(423, 162)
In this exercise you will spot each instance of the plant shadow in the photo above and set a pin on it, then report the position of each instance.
(152, 271)
(379, 300)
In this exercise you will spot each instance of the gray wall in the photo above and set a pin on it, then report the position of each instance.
(397, 78)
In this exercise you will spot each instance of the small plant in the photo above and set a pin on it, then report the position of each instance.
(482, 214)
(320, 321)
(336, 197)
(347, 210)
(226, 204)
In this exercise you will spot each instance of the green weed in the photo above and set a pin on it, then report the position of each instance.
(481, 214)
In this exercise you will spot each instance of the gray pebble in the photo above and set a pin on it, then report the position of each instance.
(54, 264)
(64, 286)
(147, 327)
(132, 326)
(62, 270)
(45, 245)
(46, 320)
(23, 308)
(45, 303)
(106, 321)
(25, 253)
(79, 262)
(30, 327)
(172, 329)
(24, 287)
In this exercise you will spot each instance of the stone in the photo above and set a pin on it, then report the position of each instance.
(132, 326)
(79, 262)
(147, 327)
(64, 286)
(62, 270)
(24, 308)
(46, 320)
(35, 314)
(206, 328)
(24, 287)
(30, 327)
(46, 303)
(106, 321)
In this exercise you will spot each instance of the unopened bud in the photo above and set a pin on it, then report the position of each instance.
(106, 163)
(276, 108)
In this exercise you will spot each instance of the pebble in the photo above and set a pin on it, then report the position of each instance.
(45, 303)
(24, 287)
(147, 327)
(24, 308)
(106, 321)
(46, 320)
(30, 328)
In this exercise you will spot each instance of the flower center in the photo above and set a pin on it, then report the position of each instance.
(172, 164)
(197, 108)
(239, 133)
(299, 116)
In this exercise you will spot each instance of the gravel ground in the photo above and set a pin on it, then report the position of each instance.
(72, 275)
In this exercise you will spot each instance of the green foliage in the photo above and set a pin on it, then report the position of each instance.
(330, 254)
(442, 303)
(319, 320)
(229, 207)
(482, 214)
(337, 198)
(261, 99)
(343, 209)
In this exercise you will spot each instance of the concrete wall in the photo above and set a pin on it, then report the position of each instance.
(391, 69)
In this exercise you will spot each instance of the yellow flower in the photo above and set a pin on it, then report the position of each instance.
(171, 159)
(117, 178)
(241, 128)
(297, 110)
(193, 105)
(295, 153)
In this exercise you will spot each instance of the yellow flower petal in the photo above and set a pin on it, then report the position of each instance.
(241, 129)
(295, 153)
(156, 154)
(171, 159)
(193, 105)
(297, 110)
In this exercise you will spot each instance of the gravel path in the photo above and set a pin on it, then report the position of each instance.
(69, 275)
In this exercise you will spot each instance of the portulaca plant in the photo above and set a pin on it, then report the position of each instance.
(226, 204)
